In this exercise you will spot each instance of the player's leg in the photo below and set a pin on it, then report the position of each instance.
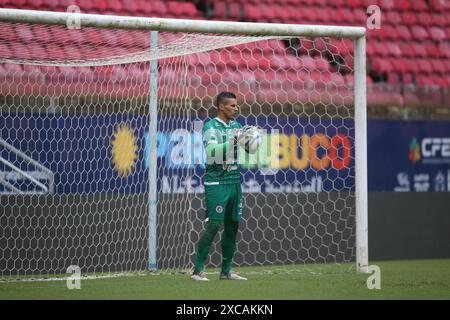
(228, 243)
(216, 202)
(230, 231)
(204, 246)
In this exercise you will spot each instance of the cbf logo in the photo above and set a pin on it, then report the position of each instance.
(431, 150)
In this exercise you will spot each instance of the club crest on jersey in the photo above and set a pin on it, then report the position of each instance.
(219, 209)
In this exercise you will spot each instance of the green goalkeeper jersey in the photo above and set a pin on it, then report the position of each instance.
(221, 153)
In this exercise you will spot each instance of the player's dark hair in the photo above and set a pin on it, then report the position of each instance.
(223, 97)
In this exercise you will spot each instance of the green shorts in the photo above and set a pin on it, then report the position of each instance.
(223, 202)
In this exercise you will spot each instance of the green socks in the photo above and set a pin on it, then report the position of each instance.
(228, 244)
(205, 242)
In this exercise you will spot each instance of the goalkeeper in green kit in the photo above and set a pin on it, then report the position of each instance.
(223, 194)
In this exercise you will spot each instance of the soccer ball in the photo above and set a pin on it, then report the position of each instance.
(254, 140)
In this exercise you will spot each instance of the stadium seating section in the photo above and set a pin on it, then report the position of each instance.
(412, 47)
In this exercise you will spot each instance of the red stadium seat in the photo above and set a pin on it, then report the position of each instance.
(355, 3)
(419, 49)
(419, 33)
(252, 12)
(114, 6)
(393, 78)
(347, 16)
(446, 63)
(267, 14)
(235, 10)
(5, 51)
(360, 16)
(322, 15)
(73, 36)
(443, 82)
(13, 69)
(60, 4)
(393, 49)
(55, 51)
(370, 49)
(438, 66)
(32, 70)
(438, 20)
(408, 78)
(385, 5)
(24, 32)
(389, 32)
(437, 34)
(412, 66)
(8, 33)
(381, 65)
(444, 48)
(38, 51)
(14, 4)
(131, 8)
(432, 49)
(409, 18)
(33, 4)
(436, 5)
(380, 49)
(393, 17)
(425, 19)
(403, 5)
(281, 14)
(21, 51)
(425, 66)
(419, 5)
(407, 50)
(336, 18)
(403, 33)
(308, 63)
(220, 9)
(322, 64)
(320, 45)
(44, 33)
(399, 65)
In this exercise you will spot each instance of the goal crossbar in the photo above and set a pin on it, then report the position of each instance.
(179, 25)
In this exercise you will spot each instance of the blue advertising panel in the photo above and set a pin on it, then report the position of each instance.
(314, 155)
(86, 153)
(409, 155)
(109, 153)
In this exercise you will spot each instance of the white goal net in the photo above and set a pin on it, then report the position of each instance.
(101, 156)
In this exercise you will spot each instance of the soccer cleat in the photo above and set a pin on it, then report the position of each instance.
(231, 276)
(200, 276)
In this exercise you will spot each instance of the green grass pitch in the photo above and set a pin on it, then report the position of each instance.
(418, 279)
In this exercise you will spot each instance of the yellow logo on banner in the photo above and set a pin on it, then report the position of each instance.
(124, 150)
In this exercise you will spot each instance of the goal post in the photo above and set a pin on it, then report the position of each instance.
(138, 81)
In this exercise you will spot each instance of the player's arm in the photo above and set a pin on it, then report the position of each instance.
(245, 135)
(213, 147)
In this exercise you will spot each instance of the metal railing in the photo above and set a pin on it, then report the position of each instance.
(40, 187)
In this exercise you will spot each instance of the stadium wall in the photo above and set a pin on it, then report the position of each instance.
(409, 225)
(110, 233)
